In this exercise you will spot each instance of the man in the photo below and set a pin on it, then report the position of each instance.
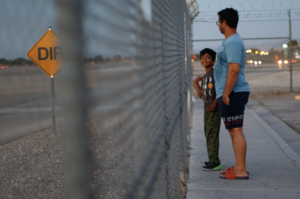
(232, 89)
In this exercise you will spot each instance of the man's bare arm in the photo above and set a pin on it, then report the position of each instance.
(233, 73)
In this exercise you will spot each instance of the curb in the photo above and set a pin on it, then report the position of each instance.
(280, 142)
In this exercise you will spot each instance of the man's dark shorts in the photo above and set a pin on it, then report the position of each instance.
(233, 115)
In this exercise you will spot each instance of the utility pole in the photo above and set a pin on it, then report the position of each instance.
(291, 51)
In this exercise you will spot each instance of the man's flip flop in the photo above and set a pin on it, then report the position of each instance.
(230, 175)
(224, 172)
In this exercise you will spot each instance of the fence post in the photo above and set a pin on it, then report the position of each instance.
(291, 51)
(73, 96)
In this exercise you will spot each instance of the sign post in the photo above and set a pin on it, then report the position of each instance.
(53, 105)
(46, 55)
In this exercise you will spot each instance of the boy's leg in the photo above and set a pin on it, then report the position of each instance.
(212, 130)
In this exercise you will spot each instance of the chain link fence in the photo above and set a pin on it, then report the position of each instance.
(123, 99)
(273, 65)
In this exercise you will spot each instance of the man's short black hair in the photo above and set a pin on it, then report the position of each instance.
(231, 17)
(209, 51)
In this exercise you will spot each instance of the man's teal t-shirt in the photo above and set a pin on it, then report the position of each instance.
(232, 51)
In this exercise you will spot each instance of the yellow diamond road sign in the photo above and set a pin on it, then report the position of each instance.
(46, 53)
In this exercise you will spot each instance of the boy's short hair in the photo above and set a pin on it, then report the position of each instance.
(231, 17)
(209, 51)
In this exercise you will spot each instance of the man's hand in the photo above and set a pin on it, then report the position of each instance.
(226, 100)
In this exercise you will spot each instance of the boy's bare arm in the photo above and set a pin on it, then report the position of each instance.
(213, 105)
(197, 87)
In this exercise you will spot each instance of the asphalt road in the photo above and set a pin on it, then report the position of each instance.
(251, 70)
(265, 78)
(25, 94)
(270, 87)
(284, 106)
(26, 101)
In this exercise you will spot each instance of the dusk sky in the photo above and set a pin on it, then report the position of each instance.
(258, 28)
(23, 22)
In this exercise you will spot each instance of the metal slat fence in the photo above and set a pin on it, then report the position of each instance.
(123, 99)
(137, 100)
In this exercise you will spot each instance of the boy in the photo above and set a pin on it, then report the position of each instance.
(212, 116)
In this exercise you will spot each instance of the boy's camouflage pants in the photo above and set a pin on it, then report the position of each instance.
(212, 122)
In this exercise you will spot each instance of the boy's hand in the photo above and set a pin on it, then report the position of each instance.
(196, 85)
(212, 106)
(197, 79)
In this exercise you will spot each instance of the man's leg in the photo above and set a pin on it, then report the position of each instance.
(233, 116)
(240, 147)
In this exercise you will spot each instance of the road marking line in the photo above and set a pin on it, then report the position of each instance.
(229, 189)
(286, 119)
(26, 110)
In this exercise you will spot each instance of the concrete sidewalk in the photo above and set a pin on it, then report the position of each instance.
(273, 166)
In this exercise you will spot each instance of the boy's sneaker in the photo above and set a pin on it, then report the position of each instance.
(205, 163)
(212, 166)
